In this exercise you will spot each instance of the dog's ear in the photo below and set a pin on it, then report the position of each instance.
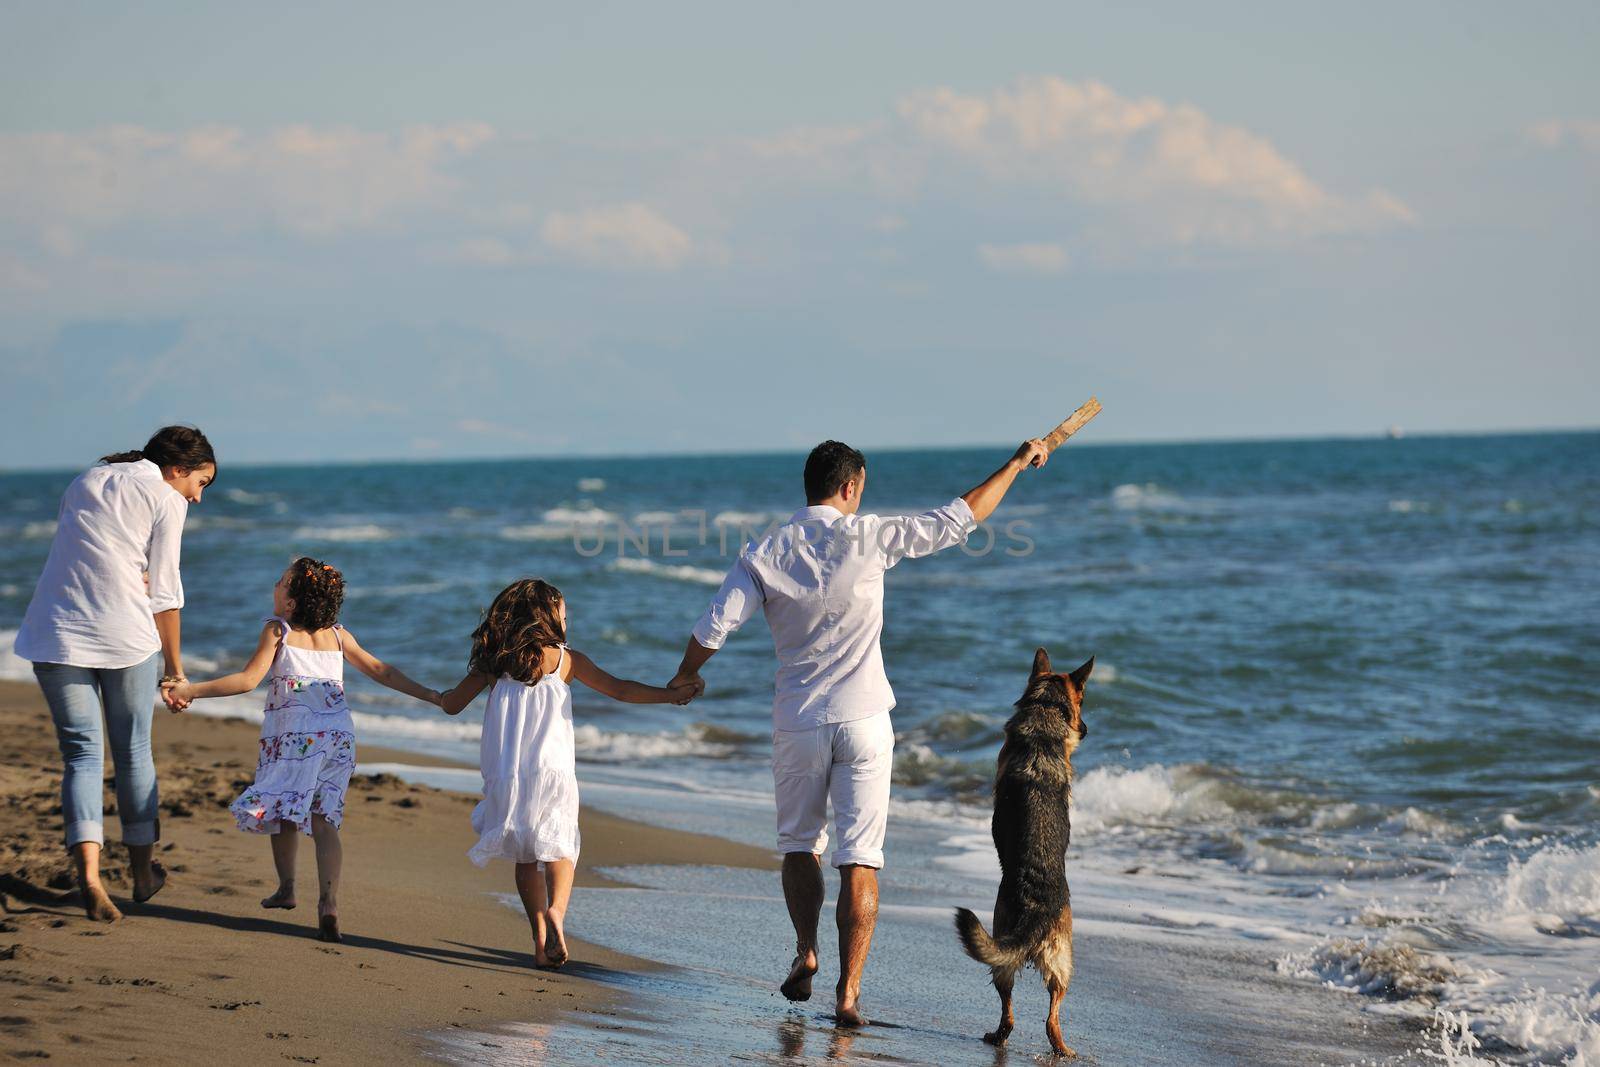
(1080, 677)
(1041, 663)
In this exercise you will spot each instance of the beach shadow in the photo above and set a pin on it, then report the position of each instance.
(478, 959)
(593, 972)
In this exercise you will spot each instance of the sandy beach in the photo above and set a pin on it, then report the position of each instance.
(202, 967)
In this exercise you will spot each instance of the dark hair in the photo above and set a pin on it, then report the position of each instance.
(523, 621)
(171, 446)
(830, 465)
(318, 592)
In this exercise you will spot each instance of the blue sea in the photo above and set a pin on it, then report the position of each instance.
(1345, 693)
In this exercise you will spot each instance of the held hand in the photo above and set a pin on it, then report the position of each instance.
(694, 681)
(684, 692)
(177, 693)
(1031, 453)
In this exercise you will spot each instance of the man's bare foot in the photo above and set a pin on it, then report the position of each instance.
(798, 985)
(555, 940)
(283, 898)
(97, 904)
(148, 886)
(849, 1014)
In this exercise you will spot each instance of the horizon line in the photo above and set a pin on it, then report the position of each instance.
(377, 461)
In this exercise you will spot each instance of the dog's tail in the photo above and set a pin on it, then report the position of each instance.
(1007, 953)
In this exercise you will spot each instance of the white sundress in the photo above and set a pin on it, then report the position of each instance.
(529, 811)
(308, 742)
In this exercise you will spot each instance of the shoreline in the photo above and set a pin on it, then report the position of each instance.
(428, 947)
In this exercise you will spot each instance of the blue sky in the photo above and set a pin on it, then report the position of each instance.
(388, 231)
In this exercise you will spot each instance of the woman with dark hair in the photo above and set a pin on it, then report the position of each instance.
(104, 611)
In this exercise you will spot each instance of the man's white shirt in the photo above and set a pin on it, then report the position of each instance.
(819, 580)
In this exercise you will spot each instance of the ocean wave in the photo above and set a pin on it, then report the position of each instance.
(1111, 797)
(362, 532)
(1556, 890)
(697, 739)
(536, 531)
(590, 516)
(12, 667)
(249, 499)
(39, 531)
(754, 520)
(1146, 497)
(1509, 955)
(677, 572)
(399, 589)
(1374, 967)
(591, 485)
(10, 589)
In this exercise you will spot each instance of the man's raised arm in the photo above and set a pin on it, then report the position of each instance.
(985, 497)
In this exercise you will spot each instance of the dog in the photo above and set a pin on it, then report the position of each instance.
(1031, 827)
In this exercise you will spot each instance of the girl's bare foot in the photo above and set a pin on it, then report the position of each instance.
(283, 898)
(798, 985)
(327, 922)
(555, 948)
(97, 904)
(151, 884)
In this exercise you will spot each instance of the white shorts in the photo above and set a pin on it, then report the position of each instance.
(848, 761)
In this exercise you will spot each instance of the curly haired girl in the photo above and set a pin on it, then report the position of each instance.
(308, 743)
(529, 812)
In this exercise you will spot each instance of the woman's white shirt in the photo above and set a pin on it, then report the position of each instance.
(90, 607)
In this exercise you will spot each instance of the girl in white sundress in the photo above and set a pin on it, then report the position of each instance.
(529, 811)
(308, 743)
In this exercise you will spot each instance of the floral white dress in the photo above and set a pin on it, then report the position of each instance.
(308, 742)
(529, 811)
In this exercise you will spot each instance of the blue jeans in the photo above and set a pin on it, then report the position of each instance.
(75, 696)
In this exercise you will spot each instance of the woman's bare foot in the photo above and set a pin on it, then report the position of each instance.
(283, 898)
(555, 941)
(97, 904)
(151, 884)
(327, 922)
(798, 985)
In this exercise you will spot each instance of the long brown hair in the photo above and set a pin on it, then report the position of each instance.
(523, 621)
(171, 446)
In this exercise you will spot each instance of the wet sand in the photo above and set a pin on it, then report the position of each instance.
(201, 972)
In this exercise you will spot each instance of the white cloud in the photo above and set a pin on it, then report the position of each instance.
(1171, 171)
(1555, 133)
(484, 252)
(622, 236)
(312, 181)
(1024, 258)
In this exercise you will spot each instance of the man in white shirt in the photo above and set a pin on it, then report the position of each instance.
(819, 580)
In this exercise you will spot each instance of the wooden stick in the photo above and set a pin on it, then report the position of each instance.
(1071, 425)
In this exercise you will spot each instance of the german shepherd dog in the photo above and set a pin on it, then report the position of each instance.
(1033, 912)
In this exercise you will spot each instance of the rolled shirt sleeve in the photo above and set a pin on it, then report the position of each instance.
(166, 542)
(731, 608)
(902, 536)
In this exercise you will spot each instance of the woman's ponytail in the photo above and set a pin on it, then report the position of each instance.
(171, 446)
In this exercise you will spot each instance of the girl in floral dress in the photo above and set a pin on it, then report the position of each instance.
(308, 744)
(529, 812)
